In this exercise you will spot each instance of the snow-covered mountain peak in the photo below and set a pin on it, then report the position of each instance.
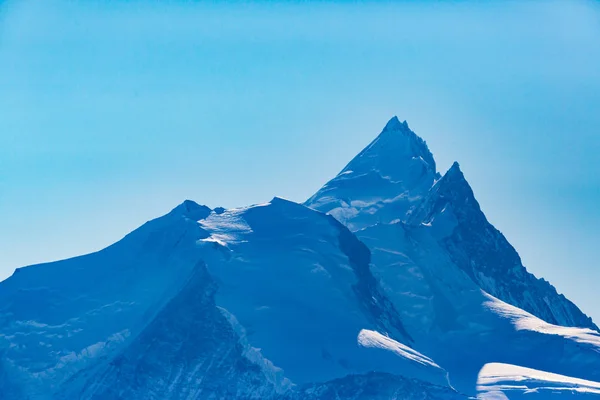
(394, 180)
(455, 179)
(397, 126)
(192, 210)
(455, 170)
(391, 149)
(283, 202)
(452, 190)
(394, 123)
(393, 173)
(454, 217)
(454, 176)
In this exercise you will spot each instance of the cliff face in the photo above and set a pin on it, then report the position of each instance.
(486, 256)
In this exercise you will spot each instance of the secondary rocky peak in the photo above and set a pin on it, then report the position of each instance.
(452, 190)
(454, 217)
(454, 181)
(455, 169)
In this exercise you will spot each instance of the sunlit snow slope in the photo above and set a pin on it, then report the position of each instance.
(505, 381)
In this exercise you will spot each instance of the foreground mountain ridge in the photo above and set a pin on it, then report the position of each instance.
(404, 290)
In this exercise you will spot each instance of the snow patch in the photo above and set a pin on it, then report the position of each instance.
(373, 339)
(522, 320)
(225, 228)
(497, 380)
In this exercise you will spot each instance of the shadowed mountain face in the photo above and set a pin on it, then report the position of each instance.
(404, 291)
(487, 257)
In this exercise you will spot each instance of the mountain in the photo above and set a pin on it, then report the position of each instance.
(383, 182)
(496, 381)
(406, 187)
(388, 283)
(269, 301)
(486, 256)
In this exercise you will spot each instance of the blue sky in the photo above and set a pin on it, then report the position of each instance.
(113, 112)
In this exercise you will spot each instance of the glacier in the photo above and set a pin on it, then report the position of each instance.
(388, 283)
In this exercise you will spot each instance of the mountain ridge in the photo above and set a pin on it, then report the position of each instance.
(389, 282)
(501, 259)
(336, 200)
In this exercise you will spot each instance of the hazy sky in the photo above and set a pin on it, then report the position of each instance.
(113, 112)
